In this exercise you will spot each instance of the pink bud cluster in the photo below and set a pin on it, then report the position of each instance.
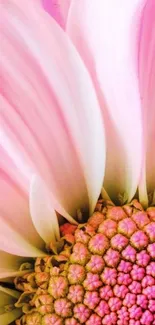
(106, 276)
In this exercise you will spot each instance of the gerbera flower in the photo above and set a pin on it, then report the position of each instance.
(77, 113)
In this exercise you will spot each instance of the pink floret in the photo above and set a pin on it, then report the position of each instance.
(137, 273)
(129, 253)
(135, 312)
(102, 309)
(110, 319)
(151, 250)
(146, 318)
(142, 301)
(115, 303)
(120, 291)
(143, 258)
(106, 292)
(125, 267)
(94, 320)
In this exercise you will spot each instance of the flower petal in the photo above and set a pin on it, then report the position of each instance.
(8, 297)
(12, 242)
(65, 144)
(104, 32)
(10, 316)
(9, 264)
(58, 9)
(14, 212)
(43, 215)
(146, 61)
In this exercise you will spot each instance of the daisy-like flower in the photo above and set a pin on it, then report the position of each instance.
(77, 215)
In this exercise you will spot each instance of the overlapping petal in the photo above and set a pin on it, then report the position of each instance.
(8, 297)
(146, 62)
(105, 33)
(9, 265)
(50, 110)
(15, 237)
(58, 9)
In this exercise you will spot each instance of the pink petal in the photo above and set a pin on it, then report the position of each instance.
(10, 266)
(43, 216)
(146, 63)
(58, 9)
(105, 33)
(14, 212)
(50, 111)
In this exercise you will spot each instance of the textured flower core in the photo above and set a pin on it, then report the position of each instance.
(104, 272)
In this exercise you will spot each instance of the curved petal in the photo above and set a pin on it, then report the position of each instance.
(104, 32)
(8, 297)
(43, 216)
(146, 62)
(14, 212)
(51, 112)
(9, 264)
(58, 9)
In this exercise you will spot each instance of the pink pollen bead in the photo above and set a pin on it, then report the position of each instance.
(94, 320)
(127, 227)
(116, 213)
(142, 301)
(135, 287)
(151, 250)
(91, 299)
(109, 276)
(51, 319)
(123, 316)
(137, 273)
(124, 267)
(150, 231)
(81, 312)
(139, 240)
(114, 303)
(106, 292)
(129, 253)
(80, 254)
(92, 282)
(76, 273)
(110, 319)
(150, 269)
(98, 244)
(102, 309)
(151, 306)
(76, 293)
(150, 292)
(108, 228)
(141, 219)
(124, 278)
(135, 312)
(119, 242)
(120, 291)
(96, 264)
(147, 318)
(130, 300)
(62, 307)
(142, 258)
(148, 280)
(112, 257)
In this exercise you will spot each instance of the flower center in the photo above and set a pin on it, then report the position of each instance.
(104, 272)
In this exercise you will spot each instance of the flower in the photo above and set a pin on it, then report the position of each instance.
(77, 113)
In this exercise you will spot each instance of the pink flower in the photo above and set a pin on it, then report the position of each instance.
(77, 112)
